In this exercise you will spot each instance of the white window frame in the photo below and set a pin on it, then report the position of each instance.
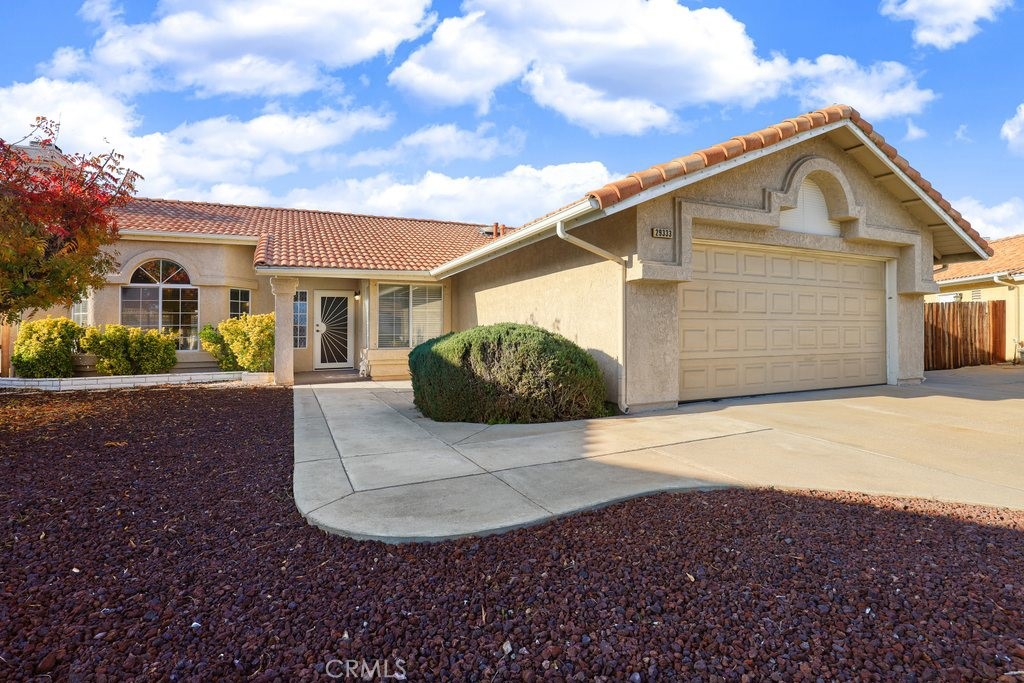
(295, 325)
(408, 287)
(160, 299)
(81, 315)
(233, 300)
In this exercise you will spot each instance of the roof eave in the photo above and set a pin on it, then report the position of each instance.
(517, 240)
(922, 195)
(353, 273)
(967, 279)
(183, 236)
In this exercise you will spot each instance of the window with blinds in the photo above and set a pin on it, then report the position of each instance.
(427, 318)
(810, 214)
(408, 315)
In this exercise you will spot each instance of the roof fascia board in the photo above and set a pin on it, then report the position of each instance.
(354, 273)
(518, 239)
(709, 171)
(929, 202)
(169, 236)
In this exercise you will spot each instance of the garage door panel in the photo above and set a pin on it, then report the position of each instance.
(760, 321)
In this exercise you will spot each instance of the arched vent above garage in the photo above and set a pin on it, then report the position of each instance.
(810, 213)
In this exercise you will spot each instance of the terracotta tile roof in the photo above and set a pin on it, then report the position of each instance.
(632, 184)
(321, 239)
(1008, 258)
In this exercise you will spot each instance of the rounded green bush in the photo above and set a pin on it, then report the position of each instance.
(44, 347)
(505, 373)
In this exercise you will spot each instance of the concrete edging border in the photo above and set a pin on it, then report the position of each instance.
(129, 381)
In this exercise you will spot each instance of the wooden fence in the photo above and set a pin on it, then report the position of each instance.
(963, 333)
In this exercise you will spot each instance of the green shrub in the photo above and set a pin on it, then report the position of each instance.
(505, 373)
(251, 339)
(213, 343)
(124, 350)
(44, 347)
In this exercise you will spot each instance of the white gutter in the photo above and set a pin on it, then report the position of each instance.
(1011, 284)
(182, 236)
(972, 278)
(622, 262)
(520, 238)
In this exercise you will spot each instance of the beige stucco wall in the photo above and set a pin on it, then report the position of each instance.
(990, 291)
(557, 286)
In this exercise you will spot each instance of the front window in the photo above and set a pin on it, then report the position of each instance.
(300, 313)
(160, 297)
(80, 312)
(408, 315)
(238, 303)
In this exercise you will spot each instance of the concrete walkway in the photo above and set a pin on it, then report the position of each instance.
(368, 465)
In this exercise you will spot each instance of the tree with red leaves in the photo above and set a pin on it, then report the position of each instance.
(56, 214)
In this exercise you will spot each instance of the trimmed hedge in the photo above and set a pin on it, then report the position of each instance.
(44, 347)
(213, 343)
(121, 350)
(505, 373)
(250, 339)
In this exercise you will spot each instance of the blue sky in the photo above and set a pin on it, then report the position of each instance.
(488, 110)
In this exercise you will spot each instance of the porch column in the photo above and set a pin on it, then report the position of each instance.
(284, 319)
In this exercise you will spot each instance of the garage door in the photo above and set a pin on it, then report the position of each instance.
(759, 321)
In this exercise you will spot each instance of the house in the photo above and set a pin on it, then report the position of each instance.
(796, 257)
(998, 279)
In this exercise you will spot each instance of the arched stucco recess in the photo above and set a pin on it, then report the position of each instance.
(859, 235)
(196, 277)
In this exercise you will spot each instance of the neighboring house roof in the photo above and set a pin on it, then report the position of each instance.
(300, 238)
(634, 183)
(1008, 259)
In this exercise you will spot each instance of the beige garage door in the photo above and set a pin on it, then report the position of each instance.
(759, 321)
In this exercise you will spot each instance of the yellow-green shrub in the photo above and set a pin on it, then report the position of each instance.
(121, 350)
(251, 339)
(213, 343)
(44, 347)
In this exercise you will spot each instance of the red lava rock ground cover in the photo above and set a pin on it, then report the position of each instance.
(151, 534)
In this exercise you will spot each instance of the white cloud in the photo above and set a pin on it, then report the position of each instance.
(1013, 131)
(993, 222)
(881, 91)
(627, 66)
(914, 132)
(513, 197)
(960, 135)
(444, 143)
(241, 47)
(215, 150)
(944, 23)
(590, 109)
(88, 115)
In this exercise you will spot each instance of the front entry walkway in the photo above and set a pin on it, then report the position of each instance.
(368, 465)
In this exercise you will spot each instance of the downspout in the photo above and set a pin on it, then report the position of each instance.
(622, 262)
(1020, 323)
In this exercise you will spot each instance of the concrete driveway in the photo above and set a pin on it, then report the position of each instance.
(368, 465)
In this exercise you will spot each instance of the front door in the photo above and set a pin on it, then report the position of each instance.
(332, 329)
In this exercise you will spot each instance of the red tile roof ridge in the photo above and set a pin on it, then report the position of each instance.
(305, 210)
(616, 191)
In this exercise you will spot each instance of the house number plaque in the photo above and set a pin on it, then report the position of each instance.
(662, 233)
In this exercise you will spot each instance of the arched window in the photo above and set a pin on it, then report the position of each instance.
(161, 297)
(810, 213)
